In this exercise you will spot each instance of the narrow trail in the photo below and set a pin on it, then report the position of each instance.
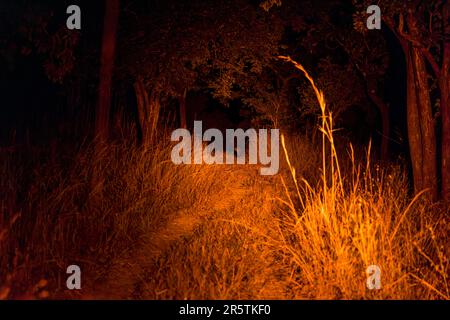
(128, 273)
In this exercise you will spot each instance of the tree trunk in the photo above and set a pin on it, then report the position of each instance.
(427, 127)
(142, 104)
(182, 103)
(101, 132)
(386, 131)
(445, 135)
(148, 112)
(383, 108)
(444, 86)
(421, 127)
(413, 123)
(425, 113)
(106, 69)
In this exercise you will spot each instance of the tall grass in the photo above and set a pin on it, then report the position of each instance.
(340, 229)
(52, 216)
(311, 233)
(151, 229)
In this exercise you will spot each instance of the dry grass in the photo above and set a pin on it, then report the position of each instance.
(312, 233)
(51, 215)
(342, 227)
(154, 230)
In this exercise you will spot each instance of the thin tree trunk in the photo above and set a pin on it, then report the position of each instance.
(148, 112)
(413, 123)
(182, 103)
(106, 69)
(155, 107)
(102, 113)
(386, 131)
(142, 104)
(383, 108)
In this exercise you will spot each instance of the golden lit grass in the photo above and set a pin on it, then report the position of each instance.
(339, 229)
(332, 238)
(254, 237)
(315, 238)
(257, 241)
(154, 230)
(228, 256)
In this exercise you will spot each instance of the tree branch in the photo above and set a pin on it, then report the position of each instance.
(405, 38)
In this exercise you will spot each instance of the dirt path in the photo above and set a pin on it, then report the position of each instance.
(130, 271)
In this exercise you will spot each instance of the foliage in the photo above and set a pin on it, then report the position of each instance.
(195, 45)
(54, 46)
(337, 80)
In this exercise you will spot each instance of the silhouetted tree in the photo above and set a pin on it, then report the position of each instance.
(110, 22)
(349, 66)
(195, 45)
(422, 28)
